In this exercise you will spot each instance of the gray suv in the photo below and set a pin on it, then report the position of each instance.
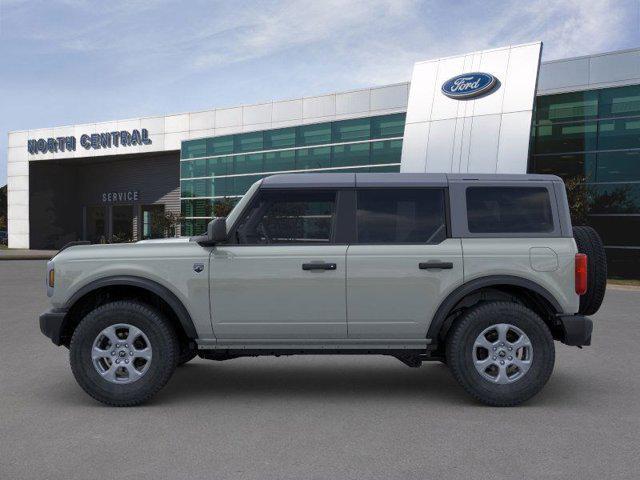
(481, 272)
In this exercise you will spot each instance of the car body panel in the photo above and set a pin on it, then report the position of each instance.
(170, 264)
(389, 296)
(512, 256)
(261, 292)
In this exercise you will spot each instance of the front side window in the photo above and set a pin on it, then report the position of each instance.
(509, 210)
(402, 215)
(286, 217)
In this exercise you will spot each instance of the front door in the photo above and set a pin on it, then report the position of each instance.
(402, 263)
(282, 276)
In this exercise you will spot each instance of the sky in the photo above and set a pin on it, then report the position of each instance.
(65, 62)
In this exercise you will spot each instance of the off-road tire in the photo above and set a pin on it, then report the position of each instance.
(186, 352)
(164, 348)
(460, 344)
(589, 243)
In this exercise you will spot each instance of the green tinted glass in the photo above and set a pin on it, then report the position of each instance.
(619, 102)
(566, 107)
(186, 169)
(618, 166)
(622, 133)
(186, 188)
(199, 168)
(194, 148)
(385, 169)
(220, 166)
(309, 158)
(573, 137)
(388, 126)
(388, 151)
(242, 184)
(222, 187)
(280, 138)
(568, 166)
(197, 208)
(248, 163)
(347, 155)
(280, 161)
(620, 198)
(313, 134)
(248, 142)
(220, 145)
(201, 187)
(192, 228)
(352, 130)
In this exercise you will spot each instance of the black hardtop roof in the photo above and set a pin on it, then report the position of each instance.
(346, 180)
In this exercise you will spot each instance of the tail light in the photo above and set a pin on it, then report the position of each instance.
(581, 273)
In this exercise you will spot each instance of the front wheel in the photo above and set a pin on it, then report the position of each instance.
(502, 353)
(123, 352)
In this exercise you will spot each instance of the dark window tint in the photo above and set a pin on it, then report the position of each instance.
(288, 217)
(401, 215)
(509, 210)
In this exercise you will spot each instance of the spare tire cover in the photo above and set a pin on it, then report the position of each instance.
(589, 243)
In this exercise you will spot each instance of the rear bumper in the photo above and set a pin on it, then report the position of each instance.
(575, 330)
(51, 324)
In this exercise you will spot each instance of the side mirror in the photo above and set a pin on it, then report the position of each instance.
(217, 230)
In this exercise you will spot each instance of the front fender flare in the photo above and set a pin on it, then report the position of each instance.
(150, 285)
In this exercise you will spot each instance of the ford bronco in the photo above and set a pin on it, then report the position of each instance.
(481, 272)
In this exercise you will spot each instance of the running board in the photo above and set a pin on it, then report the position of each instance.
(315, 346)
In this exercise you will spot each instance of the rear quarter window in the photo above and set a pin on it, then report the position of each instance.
(509, 210)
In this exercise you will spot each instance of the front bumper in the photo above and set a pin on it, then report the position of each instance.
(575, 330)
(51, 323)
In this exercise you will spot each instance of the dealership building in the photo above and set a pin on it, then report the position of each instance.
(115, 181)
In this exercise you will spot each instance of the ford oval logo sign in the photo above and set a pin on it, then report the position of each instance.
(468, 85)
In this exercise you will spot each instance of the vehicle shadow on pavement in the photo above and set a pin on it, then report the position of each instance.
(348, 381)
(431, 383)
(306, 380)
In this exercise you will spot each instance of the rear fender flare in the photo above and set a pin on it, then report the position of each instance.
(467, 288)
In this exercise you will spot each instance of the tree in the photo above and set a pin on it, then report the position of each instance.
(585, 199)
(164, 224)
(222, 208)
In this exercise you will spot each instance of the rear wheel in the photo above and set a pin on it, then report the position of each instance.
(501, 353)
(123, 352)
(588, 242)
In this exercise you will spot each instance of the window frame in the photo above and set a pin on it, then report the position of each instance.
(232, 237)
(446, 206)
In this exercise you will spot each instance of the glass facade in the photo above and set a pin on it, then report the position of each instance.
(592, 140)
(215, 169)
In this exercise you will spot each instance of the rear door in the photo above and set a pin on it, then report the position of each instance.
(402, 264)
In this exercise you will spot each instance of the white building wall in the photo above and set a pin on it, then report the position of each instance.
(487, 134)
(167, 133)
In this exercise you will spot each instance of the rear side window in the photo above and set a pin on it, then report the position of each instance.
(509, 210)
(402, 215)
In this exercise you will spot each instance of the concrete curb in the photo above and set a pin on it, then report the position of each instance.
(628, 288)
(6, 258)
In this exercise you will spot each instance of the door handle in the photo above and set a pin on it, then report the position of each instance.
(435, 265)
(319, 266)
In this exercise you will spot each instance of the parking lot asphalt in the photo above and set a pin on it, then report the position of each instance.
(317, 417)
